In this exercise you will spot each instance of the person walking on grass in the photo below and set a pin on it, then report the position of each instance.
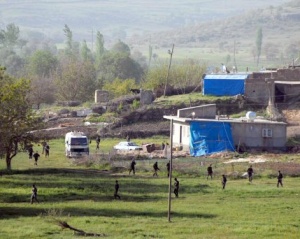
(30, 152)
(132, 167)
(250, 173)
(36, 157)
(279, 179)
(47, 150)
(34, 194)
(168, 168)
(156, 168)
(98, 139)
(224, 181)
(209, 172)
(176, 187)
(117, 186)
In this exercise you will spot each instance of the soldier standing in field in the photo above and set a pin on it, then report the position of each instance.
(132, 167)
(250, 173)
(98, 139)
(34, 194)
(117, 186)
(176, 189)
(224, 181)
(209, 172)
(279, 179)
(168, 168)
(155, 167)
(36, 157)
(47, 150)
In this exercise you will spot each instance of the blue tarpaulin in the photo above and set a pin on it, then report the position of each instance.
(224, 85)
(210, 137)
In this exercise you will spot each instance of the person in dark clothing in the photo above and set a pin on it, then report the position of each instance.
(209, 172)
(36, 157)
(279, 179)
(98, 139)
(47, 150)
(43, 146)
(156, 168)
(117, 186)
(224, 181)
(128, 138)
(176, 189)
(168, 168)
(30, 152)
(34, 194)
(250, 173)
(132, 167)
(163, 146)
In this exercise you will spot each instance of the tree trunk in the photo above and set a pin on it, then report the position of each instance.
(8, 162)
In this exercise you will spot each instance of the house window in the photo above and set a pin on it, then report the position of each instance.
(267, 133)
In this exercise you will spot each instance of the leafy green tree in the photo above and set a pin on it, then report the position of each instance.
(99, 47)
(118, 65)
(184, 74)
(121, 47)
(86, 53)
(14, 64)
(42, 90)
(72, 47)
(119, 87)
(42, 63)
(75, 80)
(259, 39)
(10, 37)
(16, 116)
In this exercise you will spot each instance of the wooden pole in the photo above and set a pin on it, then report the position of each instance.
(171, 168)
(171, 54)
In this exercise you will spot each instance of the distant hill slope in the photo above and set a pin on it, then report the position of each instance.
(118, 18)
(280, 27)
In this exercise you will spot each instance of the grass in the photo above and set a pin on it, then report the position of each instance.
(188, 98)
(83, 197)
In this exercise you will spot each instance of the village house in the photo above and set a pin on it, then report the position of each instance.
(201, 131)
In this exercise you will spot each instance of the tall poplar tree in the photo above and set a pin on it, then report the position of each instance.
(259, 39)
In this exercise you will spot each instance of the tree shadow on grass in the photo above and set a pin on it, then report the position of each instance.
(14, 212)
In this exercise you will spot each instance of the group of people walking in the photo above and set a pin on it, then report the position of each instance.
(36, 155)
(249, 174)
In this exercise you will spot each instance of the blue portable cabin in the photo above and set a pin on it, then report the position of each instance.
(224, 84)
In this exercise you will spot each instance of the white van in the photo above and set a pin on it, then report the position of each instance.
(76, 144)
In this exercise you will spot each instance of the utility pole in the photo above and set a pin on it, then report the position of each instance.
(92, 39)
(171, 54)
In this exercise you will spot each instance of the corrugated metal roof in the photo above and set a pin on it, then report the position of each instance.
(226, 76)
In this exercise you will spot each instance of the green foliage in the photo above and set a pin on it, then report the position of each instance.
(10, 37)
(183, 74)
(105, 118)
(16, 116)
(86, 54)
(135, 104)
(119, 65)
(76, 81)
(121, 47)
(42, 63)
(259, 38)
(99, 47)
(119, 87)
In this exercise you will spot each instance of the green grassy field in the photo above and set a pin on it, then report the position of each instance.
(83, 197)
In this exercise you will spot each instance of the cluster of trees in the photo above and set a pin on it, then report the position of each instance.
(75, 71)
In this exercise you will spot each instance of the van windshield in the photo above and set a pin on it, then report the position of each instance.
(78, 141)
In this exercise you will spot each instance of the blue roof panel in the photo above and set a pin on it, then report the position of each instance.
(226, 77)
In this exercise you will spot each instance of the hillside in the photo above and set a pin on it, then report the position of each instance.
(118, 19)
